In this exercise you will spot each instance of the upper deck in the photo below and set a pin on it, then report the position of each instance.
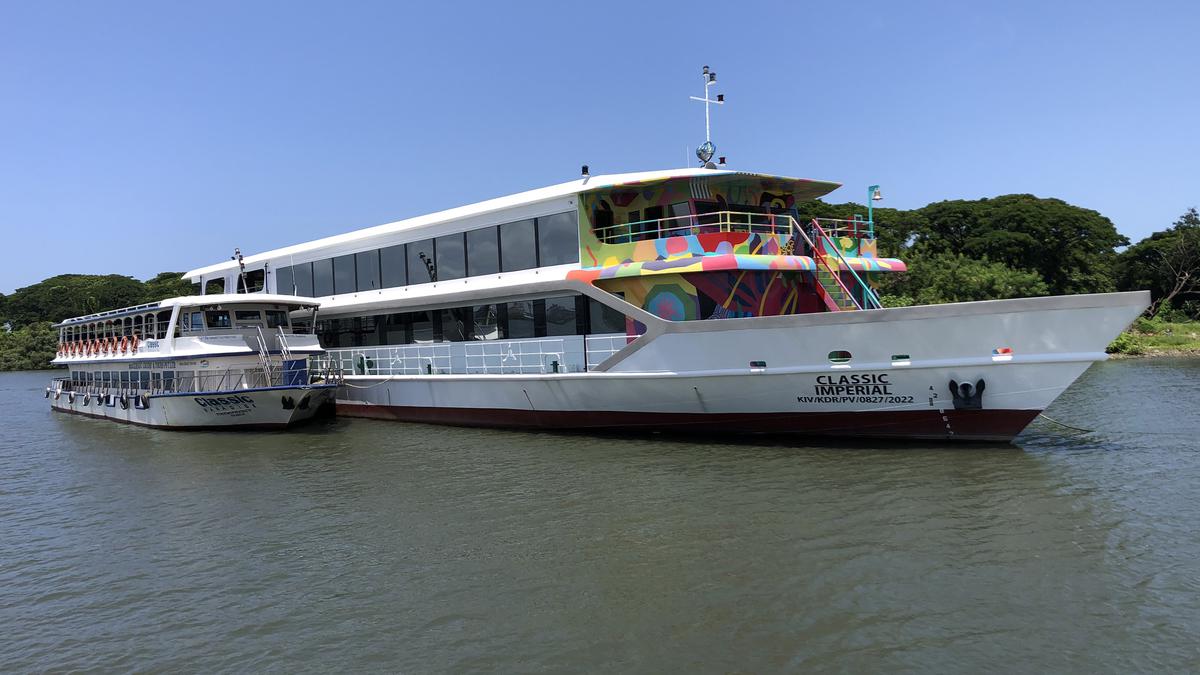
(634, 224)
(187, 327)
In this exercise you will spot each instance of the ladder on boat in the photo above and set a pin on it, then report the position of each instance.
(838, 297)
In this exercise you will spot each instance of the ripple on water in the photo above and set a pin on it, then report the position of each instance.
(382, 546)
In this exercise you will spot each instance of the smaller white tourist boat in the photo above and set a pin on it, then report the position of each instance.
(201, 362)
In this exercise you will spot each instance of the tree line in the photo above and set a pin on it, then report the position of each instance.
(1005, 247)
(1024, 246)
(28, 342)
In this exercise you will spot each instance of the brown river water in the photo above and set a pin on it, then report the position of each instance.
(355, 545)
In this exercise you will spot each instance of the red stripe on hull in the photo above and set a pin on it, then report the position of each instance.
(971, 425)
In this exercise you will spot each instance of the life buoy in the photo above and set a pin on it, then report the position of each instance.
(145, 401)
(71, 397)
(133, 344)
(87, 399)
(124, 344)
(124, 401)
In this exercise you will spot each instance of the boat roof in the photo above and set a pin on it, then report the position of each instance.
(803, 188)
(226, 299)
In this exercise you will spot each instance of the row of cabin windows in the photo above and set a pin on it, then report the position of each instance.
(254, 281)
(124, 379)
(546, 317)
(238, 318)
(143, 326)
(520, 245)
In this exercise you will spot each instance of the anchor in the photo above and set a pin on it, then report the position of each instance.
(966, 396)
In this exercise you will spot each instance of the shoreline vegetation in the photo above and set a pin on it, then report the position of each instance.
(1010, 246)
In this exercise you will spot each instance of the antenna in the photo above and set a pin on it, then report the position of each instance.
(705, 152)
(237, 255)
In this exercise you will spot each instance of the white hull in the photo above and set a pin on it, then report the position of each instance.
(697, 376)
(238, 409)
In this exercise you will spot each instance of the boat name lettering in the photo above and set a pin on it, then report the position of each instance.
(853, 384)
(223, 401)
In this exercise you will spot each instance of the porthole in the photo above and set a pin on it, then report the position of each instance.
(840, 356)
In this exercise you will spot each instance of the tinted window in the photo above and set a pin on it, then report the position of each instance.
(487, 326)
(422, 326)
(197, 321)
(323, 277)
(246, 315)
(214, 287)
(367, 331)
(395, 330)
(393, 266)
(520, 319)
(251, 282)
(283, 281)
(451, 257)
(367, 264)
(343, 274)
(518, 248)
(605, 319)
(558, 239)
(421, 262)
(483, 253)
(277, 318)
(560, 315)
(457, 324)
(217, 319)
(303, 278)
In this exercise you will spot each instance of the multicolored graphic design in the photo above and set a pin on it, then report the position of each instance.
(663, 246)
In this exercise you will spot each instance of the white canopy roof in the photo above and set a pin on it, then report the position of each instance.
(585, 184)
(225, 299)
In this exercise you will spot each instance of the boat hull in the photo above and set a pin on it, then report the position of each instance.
(970, 371)
(262, 408)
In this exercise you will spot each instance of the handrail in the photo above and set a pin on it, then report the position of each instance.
(705, 223)
(867, 290)
(820, 259)
(701, 223)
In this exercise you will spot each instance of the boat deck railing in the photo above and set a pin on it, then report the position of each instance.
(224, 381)
(724, 221)
(530, 356)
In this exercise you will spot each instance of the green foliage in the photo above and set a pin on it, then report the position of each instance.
(30, 347)
(897, 301)
(1126, 343)
(950, 277)
(1167, 263)
(68, 295)
(29, 312)
(1071, 249)
(166, 285)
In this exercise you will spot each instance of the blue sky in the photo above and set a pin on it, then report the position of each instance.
(142, 137)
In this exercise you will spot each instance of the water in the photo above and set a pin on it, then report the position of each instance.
(361, 545)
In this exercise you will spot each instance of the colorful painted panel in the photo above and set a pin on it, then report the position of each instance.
(720, 295)
(717, 263)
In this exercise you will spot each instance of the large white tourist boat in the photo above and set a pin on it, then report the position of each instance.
(689, 300)
(211, 362)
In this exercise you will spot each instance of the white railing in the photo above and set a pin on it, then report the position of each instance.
(528, 356)
(600, 347)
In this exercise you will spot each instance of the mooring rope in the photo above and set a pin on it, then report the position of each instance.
(1063, 424)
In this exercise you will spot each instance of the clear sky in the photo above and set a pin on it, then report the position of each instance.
(142, 137)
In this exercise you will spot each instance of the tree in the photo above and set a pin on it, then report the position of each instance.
(30, 347)
(1167, 263)
(1072, 249)
(166, 285)
(954, 277)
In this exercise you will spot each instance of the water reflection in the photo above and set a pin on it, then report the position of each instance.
(360, 544)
